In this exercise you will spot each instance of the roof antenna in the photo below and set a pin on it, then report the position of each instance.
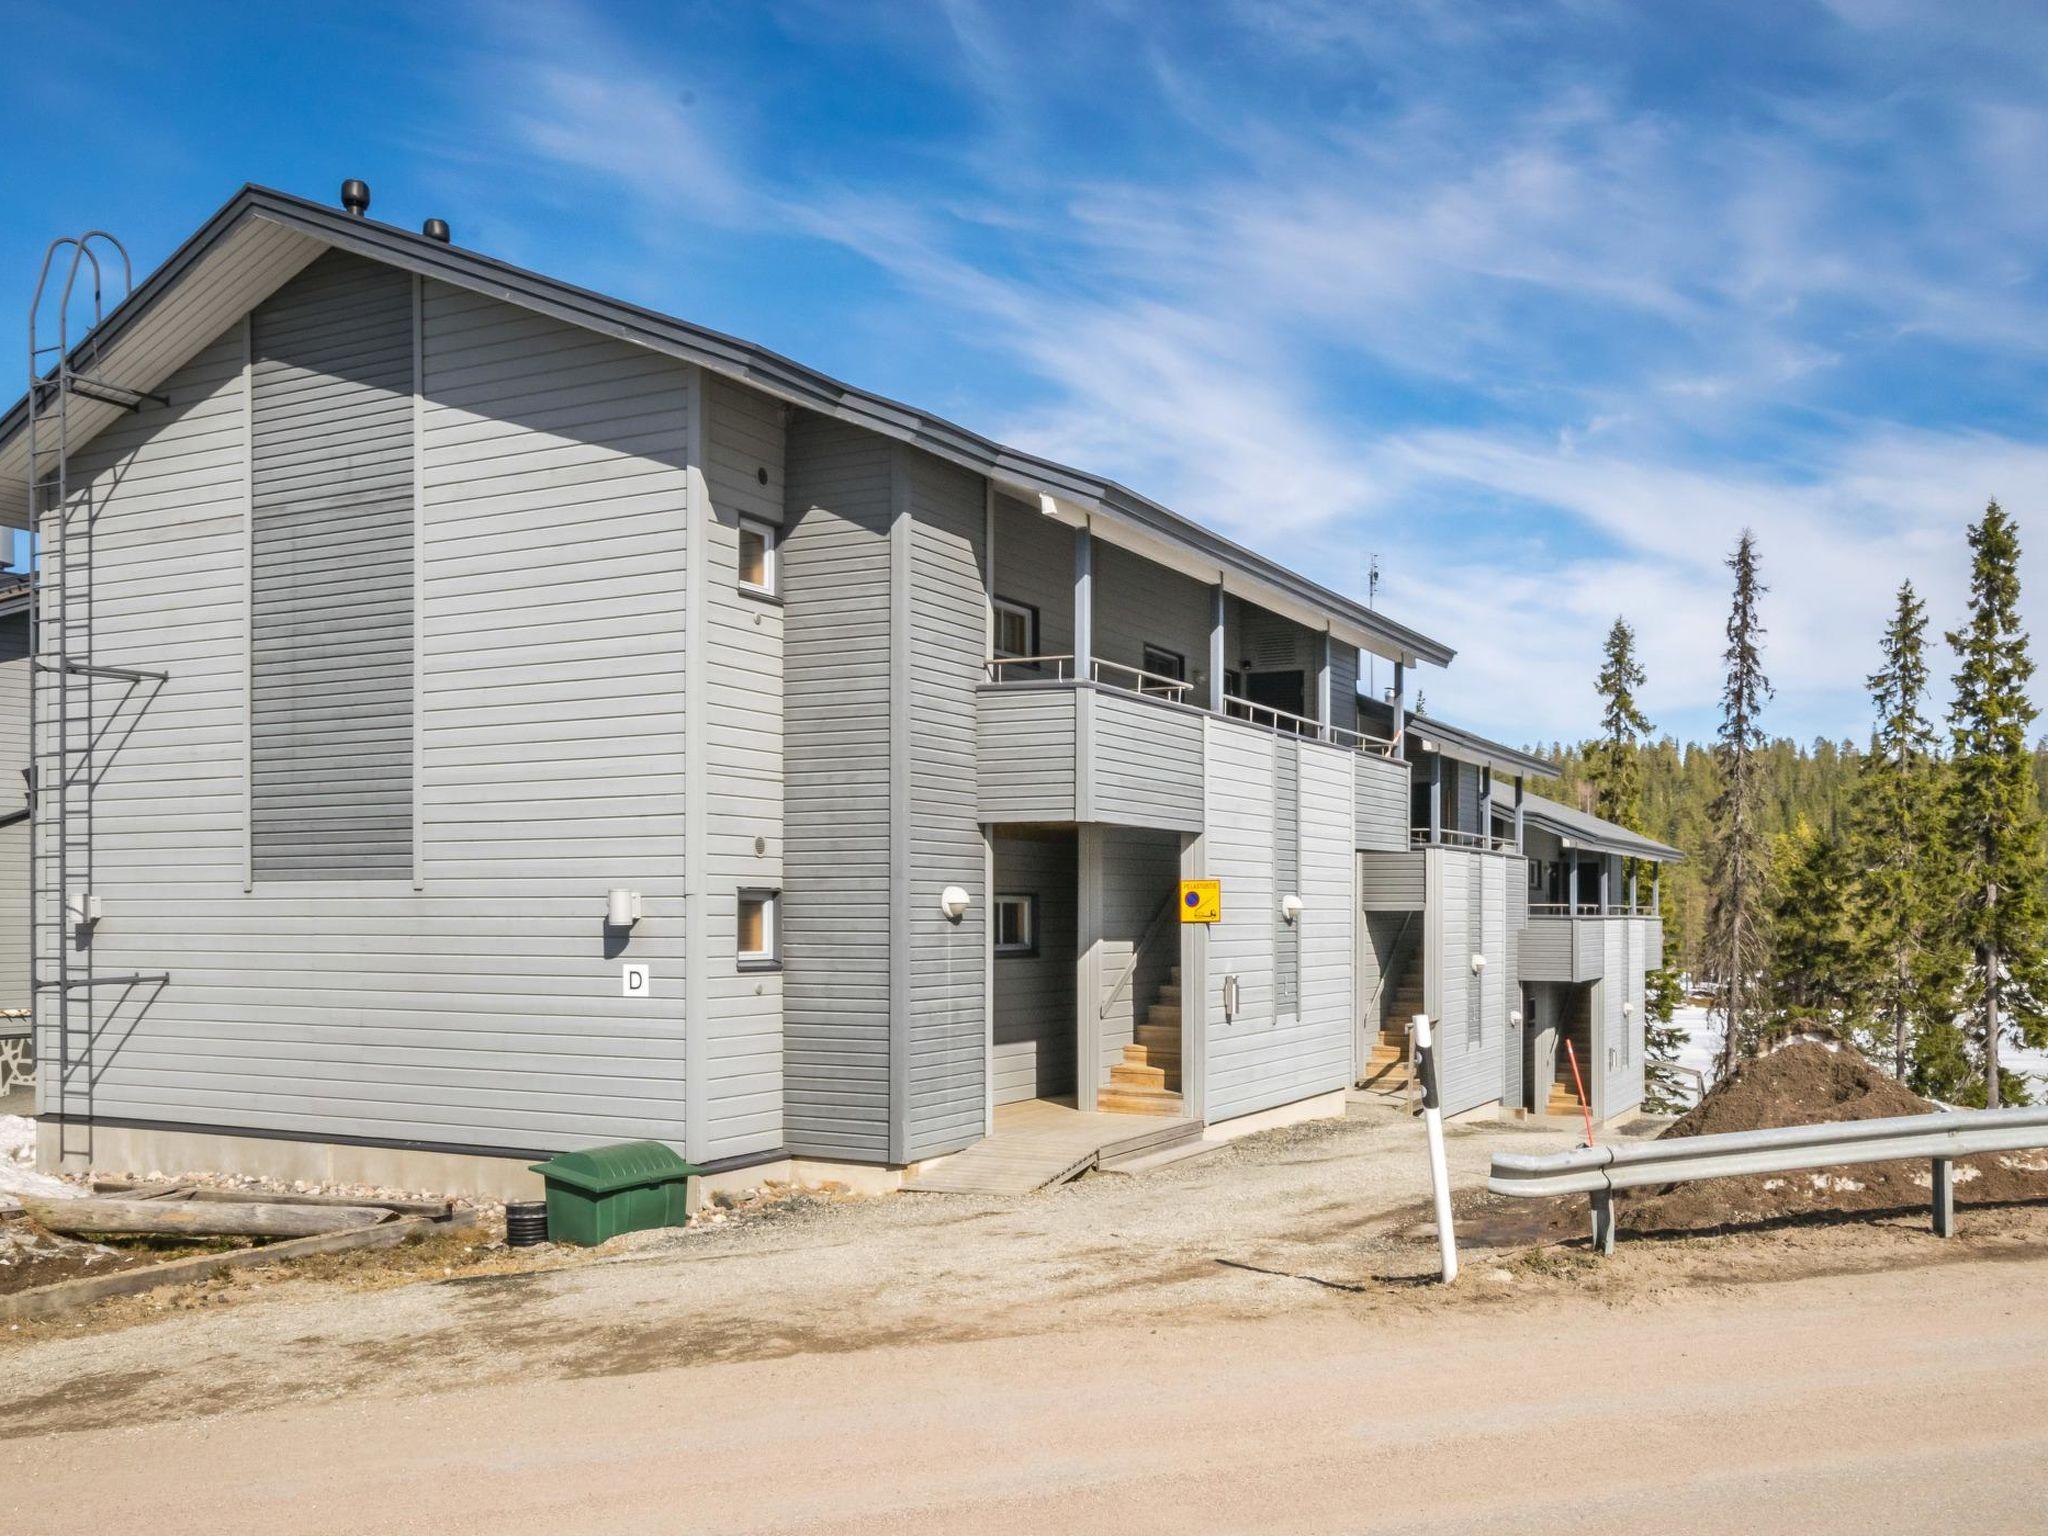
(355, 196)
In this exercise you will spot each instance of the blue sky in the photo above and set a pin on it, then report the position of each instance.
(1541, 303)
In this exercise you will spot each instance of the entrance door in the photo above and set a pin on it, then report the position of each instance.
(1278, 690)
(1033, 939)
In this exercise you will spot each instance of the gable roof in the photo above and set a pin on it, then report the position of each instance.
(1428, 734)
(1587, 831)
(262, 237)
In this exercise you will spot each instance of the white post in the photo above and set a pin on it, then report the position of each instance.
(1433, 1122)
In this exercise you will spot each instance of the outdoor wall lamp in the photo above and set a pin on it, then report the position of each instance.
(621, 908)
(1290, 907)
(1514, 1018)
(954, 901)
(1478, 964)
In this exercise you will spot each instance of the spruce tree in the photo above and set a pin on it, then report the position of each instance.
(1812, 954)
(1993, 817)
(1737, 940)
(1617, 771)
(1902, 978)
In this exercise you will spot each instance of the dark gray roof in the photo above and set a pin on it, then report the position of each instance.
(754, 365)
(1453, 741)
(1587, 831)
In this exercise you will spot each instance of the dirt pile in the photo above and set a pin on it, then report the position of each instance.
(1808, 1083)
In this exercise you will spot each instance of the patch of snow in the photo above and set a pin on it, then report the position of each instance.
(18, 1174)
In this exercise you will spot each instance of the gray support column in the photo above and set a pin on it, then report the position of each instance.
(1944, 1197)
(1631, 889)
(1400, 704)
(1605, 863)
(1087, 964)
(1084, 604)
(1657, 887)
(1571, 894)
(1436, 798)
(1486, 806)
(1218, 663)
(1324, 718)
(1519, 796)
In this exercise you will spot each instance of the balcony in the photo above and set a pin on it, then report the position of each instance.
(1128, 747)
(1571, 944)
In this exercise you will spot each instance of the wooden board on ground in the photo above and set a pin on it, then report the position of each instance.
(69, 1295)
(196, 1218)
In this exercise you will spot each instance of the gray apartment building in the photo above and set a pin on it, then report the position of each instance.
(477, 718)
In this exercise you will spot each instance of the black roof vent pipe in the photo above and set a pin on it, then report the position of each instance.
(436, 229)
(355, 196)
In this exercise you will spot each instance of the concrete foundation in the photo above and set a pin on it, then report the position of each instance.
(123, 1149)
(1321, 1106)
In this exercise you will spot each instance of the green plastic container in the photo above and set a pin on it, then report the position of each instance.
(602, 1191)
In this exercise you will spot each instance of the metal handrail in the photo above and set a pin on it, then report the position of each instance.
(1249, 711)
(1151, 684)
(1062, 668)
(1137, 951)
(1589, 909)
(1419, 837)
(1940, 1137)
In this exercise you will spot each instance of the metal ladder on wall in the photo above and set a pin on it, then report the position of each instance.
(74, 701)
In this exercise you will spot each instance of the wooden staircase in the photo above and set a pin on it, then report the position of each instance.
(1147, 1080)
(1564, 1097)
(1390, 1071)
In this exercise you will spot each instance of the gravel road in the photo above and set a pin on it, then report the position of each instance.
(1239, 1343)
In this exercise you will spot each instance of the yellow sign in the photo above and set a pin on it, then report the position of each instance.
(1201, 901)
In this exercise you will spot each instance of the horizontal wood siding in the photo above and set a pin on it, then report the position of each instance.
(1269, 1054)
(947, 1032)
(1547, 946)
(1392, 882)
(1470, 913)
(331, 589)
(1034, 994)
(484, 1010)
(1034, 565)
(1382, 793)
(1139, 603)
(1025, 754)
(836, 905)
(1147, 763)
(742, 1055)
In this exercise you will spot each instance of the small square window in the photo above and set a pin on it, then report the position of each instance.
(760, 938)
(757, 556)
(1016, 628)
(1016, 925)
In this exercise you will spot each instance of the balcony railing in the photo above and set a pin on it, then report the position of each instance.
(1590, 909)
(1420, 837)
(1155, 685)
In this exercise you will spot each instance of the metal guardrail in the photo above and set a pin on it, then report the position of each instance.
(1598, 1172)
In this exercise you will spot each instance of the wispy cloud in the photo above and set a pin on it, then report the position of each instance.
(1539, 302)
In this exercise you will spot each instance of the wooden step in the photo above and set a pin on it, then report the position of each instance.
(1169, 994)
(1118, 1100)
(1165, 1015)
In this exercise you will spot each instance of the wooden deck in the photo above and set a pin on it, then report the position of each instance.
(1041, 1142)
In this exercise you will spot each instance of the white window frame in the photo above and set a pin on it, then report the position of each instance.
(771, 562)
(1028, 904)
(770, 958)
(1024, 611)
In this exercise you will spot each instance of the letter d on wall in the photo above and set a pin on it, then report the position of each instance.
(634, 980)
